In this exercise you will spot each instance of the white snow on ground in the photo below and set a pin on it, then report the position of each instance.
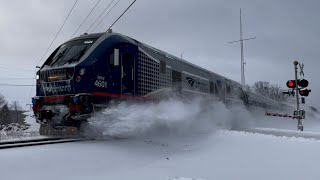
(34, 126)
(221, 155)
(18, 134)
(184, 178)
(174, 140)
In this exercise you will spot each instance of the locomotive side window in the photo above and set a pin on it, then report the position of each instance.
(116, 57)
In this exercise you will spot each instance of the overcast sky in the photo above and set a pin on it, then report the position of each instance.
(285, 30)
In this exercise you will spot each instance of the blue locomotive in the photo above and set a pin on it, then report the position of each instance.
(86, 73)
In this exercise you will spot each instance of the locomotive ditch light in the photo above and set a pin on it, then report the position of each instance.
(291, 84)
(304, 92)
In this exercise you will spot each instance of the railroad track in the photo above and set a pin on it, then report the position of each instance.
(283, 133)
(36, 142)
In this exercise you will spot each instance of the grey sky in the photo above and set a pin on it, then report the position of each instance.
(286, 30)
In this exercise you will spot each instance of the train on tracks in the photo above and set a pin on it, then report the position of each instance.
(88, 72)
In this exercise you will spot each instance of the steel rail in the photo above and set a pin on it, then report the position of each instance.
(36, 142)
(281, 133)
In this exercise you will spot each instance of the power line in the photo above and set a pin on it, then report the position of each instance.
(105, 16)
(99, 15)
(16, 85)
(86, 17)
(15, 69)
(14, 78)
(122, 14)
(58, 32)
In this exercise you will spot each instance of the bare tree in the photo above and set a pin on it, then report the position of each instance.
(271, 91)
(2, 100)
(5, 116)
(17, 113)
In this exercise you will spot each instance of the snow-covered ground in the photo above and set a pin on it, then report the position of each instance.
(16, 132)
(174, 140)
(221, 155)
(34, 126)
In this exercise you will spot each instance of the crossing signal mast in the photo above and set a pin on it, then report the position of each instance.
(298, 87)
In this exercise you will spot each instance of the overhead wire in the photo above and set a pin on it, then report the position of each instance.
(14, 78)
(122, 14)
(86, 17)
(105, 16)
(16, 69)
(16, 85)
(99, 16)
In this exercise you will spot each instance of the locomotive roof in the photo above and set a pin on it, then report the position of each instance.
(153, 49)
(88, 36)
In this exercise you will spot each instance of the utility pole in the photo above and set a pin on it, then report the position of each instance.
(243, 83)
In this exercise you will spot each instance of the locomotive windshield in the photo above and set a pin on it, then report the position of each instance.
(69, 52)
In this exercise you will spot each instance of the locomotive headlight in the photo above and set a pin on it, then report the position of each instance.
(37, 77)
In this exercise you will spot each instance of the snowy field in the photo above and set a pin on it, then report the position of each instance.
(221, 155)
(194, 141)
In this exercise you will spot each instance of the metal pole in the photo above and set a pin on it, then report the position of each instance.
(242, 63)
(300, 126)
(242, 57)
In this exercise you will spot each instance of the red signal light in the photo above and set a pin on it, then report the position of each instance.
(301, 93)
(304, 92)
(291, 84)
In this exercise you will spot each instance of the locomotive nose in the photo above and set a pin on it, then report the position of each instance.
(55, 81)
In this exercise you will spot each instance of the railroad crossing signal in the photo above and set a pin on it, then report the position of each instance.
(302, 84)
(301, 69)
(291, 84)
(298, 87)
(304, 92)
(300, 113)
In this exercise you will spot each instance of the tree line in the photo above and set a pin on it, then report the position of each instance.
(269, 90)
(11, 113)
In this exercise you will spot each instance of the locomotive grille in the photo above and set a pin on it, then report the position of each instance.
(152, 75)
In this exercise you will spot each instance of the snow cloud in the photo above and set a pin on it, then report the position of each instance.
(171, 116)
